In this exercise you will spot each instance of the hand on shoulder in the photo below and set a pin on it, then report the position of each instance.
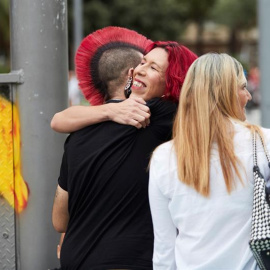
(132, 111)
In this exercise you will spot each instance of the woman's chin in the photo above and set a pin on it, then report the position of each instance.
(139, 93)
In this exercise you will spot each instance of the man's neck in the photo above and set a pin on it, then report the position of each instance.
(118, 97)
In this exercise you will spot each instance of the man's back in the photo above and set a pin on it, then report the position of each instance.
(104, 170)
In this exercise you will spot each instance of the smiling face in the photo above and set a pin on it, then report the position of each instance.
(243, 97)
(149, 78)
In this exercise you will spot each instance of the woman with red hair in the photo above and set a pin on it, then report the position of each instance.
(175, 59)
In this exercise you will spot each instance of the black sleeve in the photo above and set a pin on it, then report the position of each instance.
(63, 177)
(162, 117)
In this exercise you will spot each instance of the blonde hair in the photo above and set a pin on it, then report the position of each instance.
(209, 99)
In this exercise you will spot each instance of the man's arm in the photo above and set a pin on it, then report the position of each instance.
(60, 214)
(132, 111)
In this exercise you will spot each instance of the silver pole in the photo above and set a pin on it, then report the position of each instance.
(39, 48)
(264, 59)
(77, 24)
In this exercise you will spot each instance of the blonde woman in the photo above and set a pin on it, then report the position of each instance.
(201, 182)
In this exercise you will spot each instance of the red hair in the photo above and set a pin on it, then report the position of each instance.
(180, 58)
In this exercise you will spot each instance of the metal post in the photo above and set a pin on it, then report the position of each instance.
(264, 59)
(78, 25)
(39, 48)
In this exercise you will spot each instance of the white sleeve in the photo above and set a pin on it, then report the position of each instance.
(164, 228)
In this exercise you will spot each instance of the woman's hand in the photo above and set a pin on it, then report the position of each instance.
(132, 111)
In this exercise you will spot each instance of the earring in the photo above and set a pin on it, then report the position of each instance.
(127, 89)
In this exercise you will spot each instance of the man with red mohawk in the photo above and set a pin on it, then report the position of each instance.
(100, 79)
(101, 201)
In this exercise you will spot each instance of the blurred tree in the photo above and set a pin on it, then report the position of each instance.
(198, 11)
(4, 34)
(97, 14)
(159, 20)
(238, 15)
(166, 19)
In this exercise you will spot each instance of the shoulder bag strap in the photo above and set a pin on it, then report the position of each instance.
(256, 169)
(255, 149)
(255, 160)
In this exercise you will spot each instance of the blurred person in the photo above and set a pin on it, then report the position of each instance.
(101, 201)
(254, 85)
(74, 93)
(201, 182)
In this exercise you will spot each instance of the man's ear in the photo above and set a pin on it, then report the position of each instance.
(130, 72)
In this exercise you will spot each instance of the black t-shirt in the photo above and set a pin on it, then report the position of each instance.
(104, 170)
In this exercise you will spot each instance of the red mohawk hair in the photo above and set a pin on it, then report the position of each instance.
(91, 49)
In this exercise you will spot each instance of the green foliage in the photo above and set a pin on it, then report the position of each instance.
(4, 35)
(96, 15)
(198, 10)
(4, 68)
(158, 20)
(235, 14)
(165, 19)
(4, 22)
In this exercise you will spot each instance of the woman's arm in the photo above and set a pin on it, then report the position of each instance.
(164, 228)
(132, 111)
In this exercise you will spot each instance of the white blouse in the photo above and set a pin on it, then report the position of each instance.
(197, 233)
